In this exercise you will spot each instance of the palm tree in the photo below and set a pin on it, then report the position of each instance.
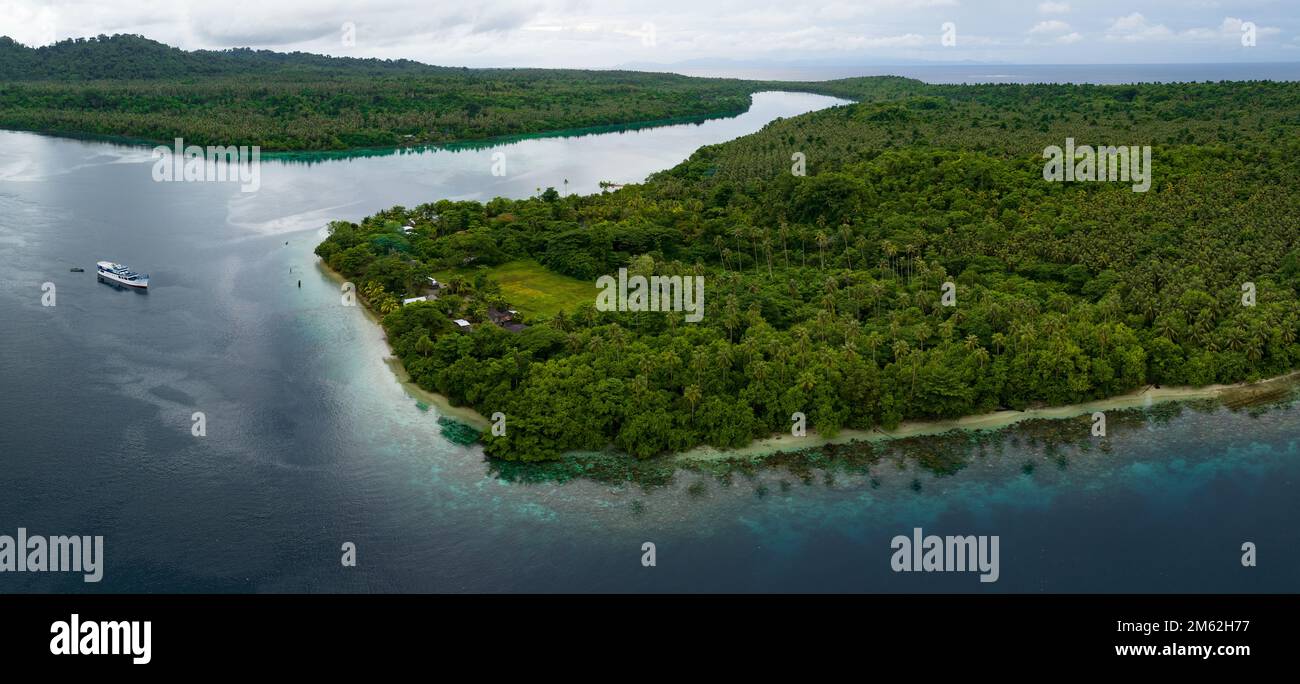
(946, 331)
(767, 249)
(851, 332)
(831, 289)
(803, 340)
(1254, 345)
(457, 285)
(692, 395)
(922, 334)
(783, 231)
(671, 363)
(561, 321)
(807, 381)
(747, 351)
(877, 291)
(731, 317)
(821, 246)
(844, 233)
(824, 318)
(1289, 331)
(724, 357)
(618, 336)
(874, 340)
(780, 354)
(424, 346)
(1236, 338)
(640, 385)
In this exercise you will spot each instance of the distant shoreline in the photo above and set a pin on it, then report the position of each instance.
(315, 155)
(943, 74)
(312, 155)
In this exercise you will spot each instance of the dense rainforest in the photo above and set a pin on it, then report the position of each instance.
(825, 290)
(133, 87)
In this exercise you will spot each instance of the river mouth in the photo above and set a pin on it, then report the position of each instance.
(311, 441)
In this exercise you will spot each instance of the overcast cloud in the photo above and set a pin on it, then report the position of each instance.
(606, 33)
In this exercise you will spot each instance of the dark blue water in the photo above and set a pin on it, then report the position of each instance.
(312, 442)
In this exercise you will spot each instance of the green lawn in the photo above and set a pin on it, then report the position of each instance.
(532, 289)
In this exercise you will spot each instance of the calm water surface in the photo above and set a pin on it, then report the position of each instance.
(311, 442)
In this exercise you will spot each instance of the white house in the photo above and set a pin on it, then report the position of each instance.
(414, 299)
(461, 323)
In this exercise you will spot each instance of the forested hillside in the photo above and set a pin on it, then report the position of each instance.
(824, 291)
(133, 87)
(129, 57)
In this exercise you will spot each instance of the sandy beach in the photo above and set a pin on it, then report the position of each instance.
(464, 414)
(1140, 398)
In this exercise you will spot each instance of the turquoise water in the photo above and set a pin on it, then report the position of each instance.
(311, 442)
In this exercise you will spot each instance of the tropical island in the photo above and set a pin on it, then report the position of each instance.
(826, 290)
(131, 87)
(908, 257)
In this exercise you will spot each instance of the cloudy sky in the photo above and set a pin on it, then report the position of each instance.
(606, 33)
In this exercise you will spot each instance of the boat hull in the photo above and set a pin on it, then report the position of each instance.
(111, 278)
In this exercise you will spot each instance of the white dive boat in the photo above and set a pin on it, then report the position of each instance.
(122, 275)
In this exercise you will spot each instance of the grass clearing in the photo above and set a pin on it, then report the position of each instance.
(530, 287)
